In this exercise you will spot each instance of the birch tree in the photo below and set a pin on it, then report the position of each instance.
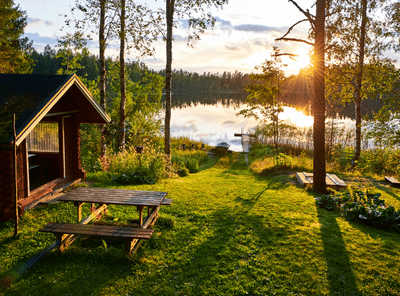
(97, 17)
(359, 39)
(199, 20)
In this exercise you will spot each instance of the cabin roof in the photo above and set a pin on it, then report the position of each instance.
(31, 97)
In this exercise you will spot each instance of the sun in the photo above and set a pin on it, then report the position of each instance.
(303, 60)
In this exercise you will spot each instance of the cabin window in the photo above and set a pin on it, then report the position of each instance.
(43, 154)
(44, 138)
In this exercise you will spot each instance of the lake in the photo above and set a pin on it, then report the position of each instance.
(214, 123)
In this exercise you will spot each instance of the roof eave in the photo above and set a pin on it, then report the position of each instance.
(42, 113)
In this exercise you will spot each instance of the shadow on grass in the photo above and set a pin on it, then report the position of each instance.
(225, 263)
(390, 191)
(339, 270)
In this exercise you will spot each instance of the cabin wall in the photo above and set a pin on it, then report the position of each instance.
(21, 171)
(73, 149)
(6, 188)
(7, 180)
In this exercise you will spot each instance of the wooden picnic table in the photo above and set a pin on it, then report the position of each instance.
(104, 197)
(138, 198)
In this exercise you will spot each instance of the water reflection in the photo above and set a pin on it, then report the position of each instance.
(211, 124)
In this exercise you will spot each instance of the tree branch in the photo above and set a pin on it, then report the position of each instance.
(296, 40)
(308, 15)
(291, 28)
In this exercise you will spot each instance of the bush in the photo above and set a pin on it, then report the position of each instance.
(367, 207)
(190, 160)
(192, 164)
(129, 167)
(183, 172)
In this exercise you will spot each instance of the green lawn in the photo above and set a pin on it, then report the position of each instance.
(227, 232)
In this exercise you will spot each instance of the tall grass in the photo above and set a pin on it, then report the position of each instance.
(150, 166)
(130, 167)
(339, 149)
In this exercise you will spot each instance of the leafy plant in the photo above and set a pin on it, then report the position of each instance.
(364, 207)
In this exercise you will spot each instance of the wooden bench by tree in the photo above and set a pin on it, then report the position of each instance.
(63, 230)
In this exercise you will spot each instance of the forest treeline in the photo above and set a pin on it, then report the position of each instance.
(49, 62)
(207, 88)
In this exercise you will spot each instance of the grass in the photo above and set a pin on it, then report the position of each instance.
(228, 232)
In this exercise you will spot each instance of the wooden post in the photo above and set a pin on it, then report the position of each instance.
(15, 180)
(79, 210)
(140, 210)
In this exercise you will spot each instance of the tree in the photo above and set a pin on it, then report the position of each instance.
(317, 32)
(72, 47)
(143, 104)
(121, 138)
(198, 22)
(263, 98)
(14, 50)
(319, 172)
(133, 30)
(98, 14)
(361, 35)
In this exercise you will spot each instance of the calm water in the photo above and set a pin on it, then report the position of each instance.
(211, 124)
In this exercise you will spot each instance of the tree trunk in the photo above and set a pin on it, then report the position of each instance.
(121, 124)
(102, 86)
(319, 183)
(358, 87)
(168, 76)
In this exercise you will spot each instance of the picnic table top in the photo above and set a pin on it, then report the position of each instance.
(115, 196)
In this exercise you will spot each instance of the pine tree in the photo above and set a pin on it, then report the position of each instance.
(14, 50)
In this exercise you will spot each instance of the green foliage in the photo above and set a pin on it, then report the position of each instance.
(383, 128)
(283, 160)
(183, 172)
(72, 50)
(263, 99)
(14, 50)
(143, 105)
(129, 167)
(363, 207)
(188, 161)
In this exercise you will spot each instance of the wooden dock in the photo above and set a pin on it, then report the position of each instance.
(331, 179)
(246, 140)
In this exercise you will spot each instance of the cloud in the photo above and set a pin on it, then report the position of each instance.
(232, 47)
(259, 28)
(36, 38)
(223, 24)
(36, 22)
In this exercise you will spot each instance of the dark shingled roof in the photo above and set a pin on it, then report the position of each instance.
(29, 95)
(25, 95)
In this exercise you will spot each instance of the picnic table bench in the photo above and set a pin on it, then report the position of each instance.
(151, 199)
(61, 230)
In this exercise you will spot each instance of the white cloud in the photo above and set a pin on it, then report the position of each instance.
(33, 22)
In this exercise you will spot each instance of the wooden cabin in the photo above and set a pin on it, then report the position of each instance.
(48, 110)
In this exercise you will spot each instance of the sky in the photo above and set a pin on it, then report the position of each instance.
(242, 38)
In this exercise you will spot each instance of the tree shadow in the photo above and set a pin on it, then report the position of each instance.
(390, 191)
(340, 275)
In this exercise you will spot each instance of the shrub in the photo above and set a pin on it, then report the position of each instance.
(183, 172)
(367, 207)
(192, 164)
(129, 167)
(191, 160)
